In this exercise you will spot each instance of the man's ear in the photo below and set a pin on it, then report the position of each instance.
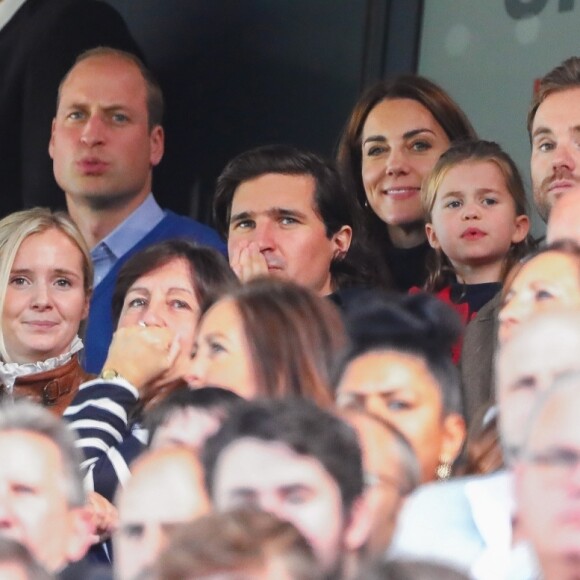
(432, 236)
(358, 527)
(81, 533)
(157, 145)
(51, 140)
(342, 240)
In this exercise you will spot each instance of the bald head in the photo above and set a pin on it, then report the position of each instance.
(564, 222)
(540, 349)
(166, 489)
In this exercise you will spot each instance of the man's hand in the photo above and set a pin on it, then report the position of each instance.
(248, 262)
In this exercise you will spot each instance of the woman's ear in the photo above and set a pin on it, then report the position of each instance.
(453, 436)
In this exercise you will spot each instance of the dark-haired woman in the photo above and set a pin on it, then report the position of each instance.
(399, 367)
(271, 339)
(395, 134)
(158, 296)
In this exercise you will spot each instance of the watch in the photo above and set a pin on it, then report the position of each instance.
(109, 374)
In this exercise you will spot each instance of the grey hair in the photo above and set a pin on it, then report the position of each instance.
(32, 418)
(565, 382)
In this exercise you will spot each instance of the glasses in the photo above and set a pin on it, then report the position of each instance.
(559, 462)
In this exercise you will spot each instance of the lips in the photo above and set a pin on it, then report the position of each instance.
(402, 192)
(92, 166)
(41, 324)
(472, 234)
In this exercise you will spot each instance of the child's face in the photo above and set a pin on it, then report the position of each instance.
(474, 221)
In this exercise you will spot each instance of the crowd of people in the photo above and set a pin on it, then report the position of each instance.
(367, 370)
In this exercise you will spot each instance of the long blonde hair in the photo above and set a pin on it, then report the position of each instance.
(18, 226)
(439, 267)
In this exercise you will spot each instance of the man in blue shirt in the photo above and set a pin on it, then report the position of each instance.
(106, 138)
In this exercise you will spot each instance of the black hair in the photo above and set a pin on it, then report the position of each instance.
(417, 324)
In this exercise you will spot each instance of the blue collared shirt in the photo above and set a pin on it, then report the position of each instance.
(106, 253)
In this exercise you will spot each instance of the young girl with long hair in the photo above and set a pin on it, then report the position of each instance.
(476, 222)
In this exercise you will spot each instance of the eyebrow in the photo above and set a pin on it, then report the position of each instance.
(170, 290)
(547, 131)
(408, 135)
(270, 212)
(58, 271)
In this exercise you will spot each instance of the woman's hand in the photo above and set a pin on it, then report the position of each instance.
(103, 514)
(142, 354)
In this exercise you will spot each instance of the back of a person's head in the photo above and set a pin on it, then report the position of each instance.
(214, 400)
(416, 324)
(302, 427)
(238, 544)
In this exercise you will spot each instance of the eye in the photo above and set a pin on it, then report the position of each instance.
(23, 489)
(545, 146)
(421, 145)
(215, 347)
(75, 115)
(375, 150)
(489, 201)
(120, 117)
(543, 294)
(453, 204)
(180, 304)
(527, 382)
(18, 281)
(137, 303)
(296, 496)
(134, 531)
(63, 283)
(398, 405)
(243, 225)
(288, 221)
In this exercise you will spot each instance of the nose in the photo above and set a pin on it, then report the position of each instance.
(41, 298)
(471, 210)
(563, 157)
(396, 163)
(196, 370)
(93, 131)
(374, 404)
(6, 519)
(153, 314)
(512, 314)
(264, 236)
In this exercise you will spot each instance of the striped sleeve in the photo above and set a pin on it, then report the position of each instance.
(99, 416)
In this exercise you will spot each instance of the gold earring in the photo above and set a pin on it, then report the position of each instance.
(443, 469)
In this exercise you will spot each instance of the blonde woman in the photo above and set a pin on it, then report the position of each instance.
(45, 285)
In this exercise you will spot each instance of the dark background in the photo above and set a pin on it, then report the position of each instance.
(241, 73)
